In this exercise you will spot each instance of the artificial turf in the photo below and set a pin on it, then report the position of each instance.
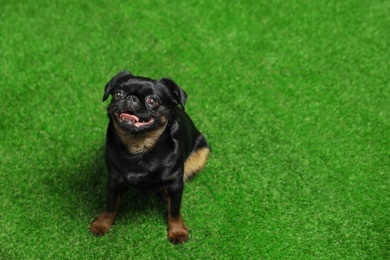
(293, 96)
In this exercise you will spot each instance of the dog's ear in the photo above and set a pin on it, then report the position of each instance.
(121, 77)
(178, 94)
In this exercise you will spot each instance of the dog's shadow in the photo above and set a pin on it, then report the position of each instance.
(84, 191)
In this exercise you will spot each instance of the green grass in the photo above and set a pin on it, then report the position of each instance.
(292, 95)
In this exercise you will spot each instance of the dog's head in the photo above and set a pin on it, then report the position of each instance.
(142, 104)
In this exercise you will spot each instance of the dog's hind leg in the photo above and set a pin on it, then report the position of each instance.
(195, 162)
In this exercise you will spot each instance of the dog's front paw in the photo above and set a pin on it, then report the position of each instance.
(178, 236)
(102, 223)
(99, 228)
(177, 231)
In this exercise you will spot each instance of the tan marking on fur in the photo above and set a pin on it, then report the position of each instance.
(140, 143)
(177, 231)
(195, 162)
(104, 221)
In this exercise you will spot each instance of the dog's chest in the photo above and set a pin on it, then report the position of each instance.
(145, 173)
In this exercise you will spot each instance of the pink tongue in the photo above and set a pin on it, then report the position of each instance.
(128, 117)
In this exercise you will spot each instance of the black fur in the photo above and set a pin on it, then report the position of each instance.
(168, 133)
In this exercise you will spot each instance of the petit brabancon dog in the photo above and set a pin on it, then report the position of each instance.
(152, 146)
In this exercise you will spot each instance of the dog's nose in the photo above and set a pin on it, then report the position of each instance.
(132, 98)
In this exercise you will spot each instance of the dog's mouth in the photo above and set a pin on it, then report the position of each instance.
(129, 117)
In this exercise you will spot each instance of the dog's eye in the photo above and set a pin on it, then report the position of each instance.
(118, 95)
(151, 101)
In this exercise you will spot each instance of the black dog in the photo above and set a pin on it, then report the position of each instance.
(152, 146)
